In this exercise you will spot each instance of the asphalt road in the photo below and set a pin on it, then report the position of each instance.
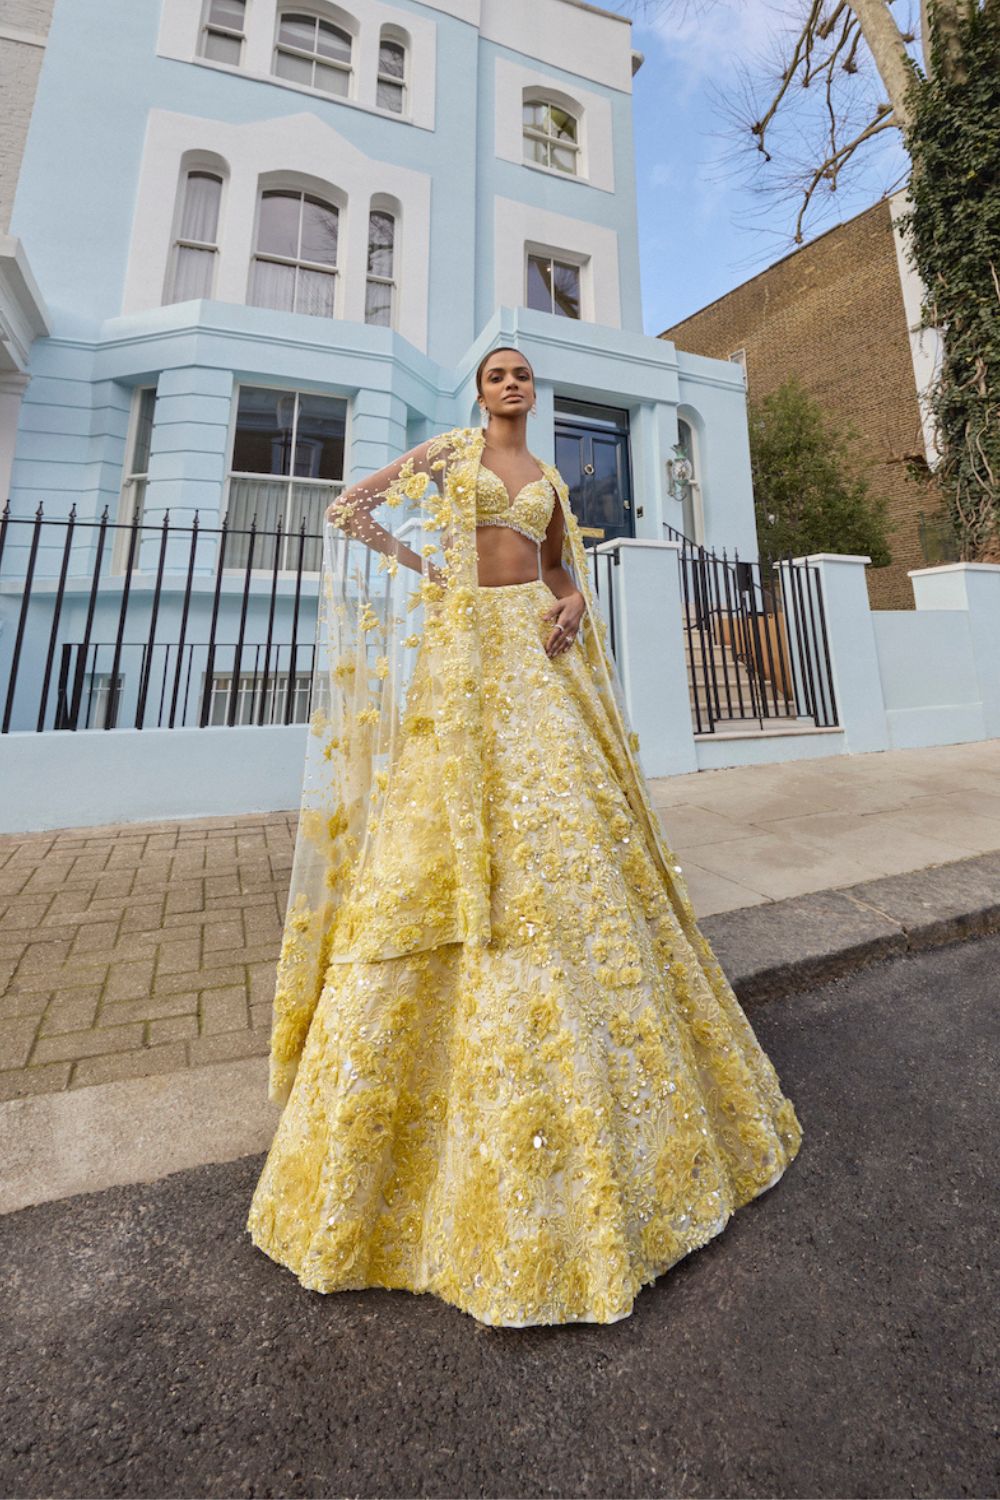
(838, 1339)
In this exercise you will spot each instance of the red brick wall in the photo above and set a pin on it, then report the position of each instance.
(832, 314)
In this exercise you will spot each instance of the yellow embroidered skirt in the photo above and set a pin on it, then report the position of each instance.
(534, 1129)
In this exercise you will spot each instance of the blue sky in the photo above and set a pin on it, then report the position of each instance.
(703, 229)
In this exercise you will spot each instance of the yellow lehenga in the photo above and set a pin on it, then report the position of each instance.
(533, 1126)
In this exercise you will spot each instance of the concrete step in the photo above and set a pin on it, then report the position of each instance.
(750, 725)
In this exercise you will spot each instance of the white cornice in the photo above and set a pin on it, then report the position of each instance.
(23, 315)
(26, 38)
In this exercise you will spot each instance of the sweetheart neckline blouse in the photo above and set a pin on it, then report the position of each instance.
(528, 513)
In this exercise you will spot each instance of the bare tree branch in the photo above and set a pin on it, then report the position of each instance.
(799, 53)
(830, 169)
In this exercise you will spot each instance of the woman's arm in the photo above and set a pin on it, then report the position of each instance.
(351, 510)
(570, 604)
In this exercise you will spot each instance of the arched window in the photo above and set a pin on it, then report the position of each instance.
(551, 136)
(391, 89)
(192, 270)
(295, 263)
(314, 52)
(381, 286)
(223, 31)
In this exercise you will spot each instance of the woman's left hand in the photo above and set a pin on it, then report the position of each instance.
(567, 614)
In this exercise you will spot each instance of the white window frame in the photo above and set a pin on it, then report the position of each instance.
(332, 486)
(247, 699)
(95, 698)
(209, 28)
(533, 97)
(332, 19)
(193, 169)
(396, 38)
(562, 258)
(132, 495)
(371, 278)
(417, 28)
(325, 268)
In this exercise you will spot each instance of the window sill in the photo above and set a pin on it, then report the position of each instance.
(549, 312)
(578, 177)
(311, 93)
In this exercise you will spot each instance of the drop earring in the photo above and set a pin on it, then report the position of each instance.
(485, 416)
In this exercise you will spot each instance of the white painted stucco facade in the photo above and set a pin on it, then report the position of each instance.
(107, 360)
(99, 205)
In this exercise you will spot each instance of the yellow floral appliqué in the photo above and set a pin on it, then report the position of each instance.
(534, 1127)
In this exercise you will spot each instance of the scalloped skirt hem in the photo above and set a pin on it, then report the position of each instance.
(432, 1286)
(533, 1129)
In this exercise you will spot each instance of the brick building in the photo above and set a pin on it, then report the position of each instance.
(843, 314)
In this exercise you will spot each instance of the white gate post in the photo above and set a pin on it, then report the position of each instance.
(857, 682)
(649, 649)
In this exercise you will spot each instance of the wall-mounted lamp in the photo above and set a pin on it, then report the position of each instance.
(680, 472)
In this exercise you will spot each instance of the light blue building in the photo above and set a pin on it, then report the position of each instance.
(271, 240)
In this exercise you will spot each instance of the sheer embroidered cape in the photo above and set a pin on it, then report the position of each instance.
(378, 873)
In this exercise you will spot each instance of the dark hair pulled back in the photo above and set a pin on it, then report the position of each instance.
(500, 349)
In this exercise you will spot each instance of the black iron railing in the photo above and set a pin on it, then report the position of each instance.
(109, 625)
(756, 642)
(755, 638)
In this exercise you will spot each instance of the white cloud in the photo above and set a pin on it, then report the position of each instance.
(707, 37)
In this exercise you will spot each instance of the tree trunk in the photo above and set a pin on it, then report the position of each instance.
(885, 42)
(948, 52)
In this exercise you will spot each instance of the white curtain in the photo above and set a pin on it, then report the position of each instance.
(271, 500)
(194, 268)
(273, 285)
(315, 293)
(200, 219)
(192, 273)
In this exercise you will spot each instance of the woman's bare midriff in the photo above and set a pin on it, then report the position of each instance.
(505, 556)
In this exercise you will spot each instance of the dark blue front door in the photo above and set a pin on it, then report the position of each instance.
(592, 455)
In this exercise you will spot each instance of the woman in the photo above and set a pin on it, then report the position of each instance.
(513, 1073)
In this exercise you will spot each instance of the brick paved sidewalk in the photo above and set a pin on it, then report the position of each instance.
(150, 948)
(138, 949)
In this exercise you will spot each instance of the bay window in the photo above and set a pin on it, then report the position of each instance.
(287, 466)
(196, 248)
(295, 264)
(380, 286)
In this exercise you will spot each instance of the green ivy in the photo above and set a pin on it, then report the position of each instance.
(954, 145)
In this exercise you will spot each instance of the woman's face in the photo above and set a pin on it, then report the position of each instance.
(508, 385)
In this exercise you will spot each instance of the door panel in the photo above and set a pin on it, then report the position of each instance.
(595, 465)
